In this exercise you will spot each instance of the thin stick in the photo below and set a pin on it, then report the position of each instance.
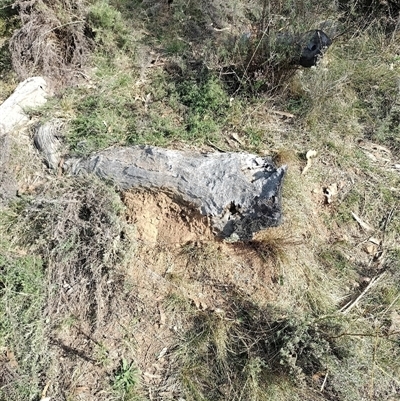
(389, 307)
(251, 59)
(364, 225)
(372, 383)
(46, 387)
(323, 384)
(389, 375)
(348, 308)
(63, 25)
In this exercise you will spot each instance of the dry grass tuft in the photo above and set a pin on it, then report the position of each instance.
(274, 244)
(206, 255)
(285, 156)
(52, 40)
(76, 231)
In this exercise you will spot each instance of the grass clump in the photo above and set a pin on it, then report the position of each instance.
(125, 381)
(63, 48)
(23, 330)
(80, 232)
(353, 93)
(206, 104)
(108, 27)
(243, 353)
(100, 123)
(58, 310)
(190, 110)
(273, 244)
(8, 23)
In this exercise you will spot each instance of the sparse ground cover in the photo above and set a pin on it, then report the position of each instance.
(130, 296)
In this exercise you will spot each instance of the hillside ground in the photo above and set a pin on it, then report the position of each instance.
(108, 295)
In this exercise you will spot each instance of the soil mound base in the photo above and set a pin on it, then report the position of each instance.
(160, 220)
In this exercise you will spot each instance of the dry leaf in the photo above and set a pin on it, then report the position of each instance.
(162, 353)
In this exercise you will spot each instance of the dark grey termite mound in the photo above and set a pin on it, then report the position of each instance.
(240, 192)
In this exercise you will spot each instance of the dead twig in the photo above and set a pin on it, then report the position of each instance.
(324, 382)
(362, 223)
(348, 307)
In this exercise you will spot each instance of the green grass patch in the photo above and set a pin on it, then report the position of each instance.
(109, 28)
(23, 329)
(189, 111)
(243, 355)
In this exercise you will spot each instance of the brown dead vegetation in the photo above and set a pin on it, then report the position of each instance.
(52, 41)
(75, 228)
(181, 271)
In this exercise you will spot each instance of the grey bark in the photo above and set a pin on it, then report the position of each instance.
(48, 144)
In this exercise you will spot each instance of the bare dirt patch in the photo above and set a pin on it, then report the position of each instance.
(177, 242)
(160, 220)
(180, 268)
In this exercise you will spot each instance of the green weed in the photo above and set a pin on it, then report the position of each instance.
(108, 28)
(125, 380)
(101, 122)
(191, 112)
(335, 260)
(101, 354)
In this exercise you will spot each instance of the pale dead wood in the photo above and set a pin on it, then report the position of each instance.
(348, 307)
(324, 382)
(362, 223)
(310, 154)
